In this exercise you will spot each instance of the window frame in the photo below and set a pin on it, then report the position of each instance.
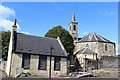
(26, 61)
(43, 62)
(57, 63)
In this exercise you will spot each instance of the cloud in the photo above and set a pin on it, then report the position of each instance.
(107, 13)
(5, 14)
(6, 24)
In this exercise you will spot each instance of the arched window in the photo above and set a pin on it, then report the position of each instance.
(74, 27)
(70, 27)
(105, 47)
(87, 45)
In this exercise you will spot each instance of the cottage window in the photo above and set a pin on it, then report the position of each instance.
(42, 63)
(26, 61)
(57, 63)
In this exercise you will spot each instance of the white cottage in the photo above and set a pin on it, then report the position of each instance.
(41, 56)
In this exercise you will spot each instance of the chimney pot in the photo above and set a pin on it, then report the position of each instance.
(15, 22)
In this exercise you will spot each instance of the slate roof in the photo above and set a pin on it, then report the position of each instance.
(38, 45)
(86, 51)
(93, 37)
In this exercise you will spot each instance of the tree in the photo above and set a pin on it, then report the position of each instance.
(65, 37)
(4, 40)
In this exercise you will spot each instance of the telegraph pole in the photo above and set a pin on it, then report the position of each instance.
(51, 48)
(96, 62)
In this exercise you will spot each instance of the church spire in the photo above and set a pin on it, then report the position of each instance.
(74, 28)
(73, 16)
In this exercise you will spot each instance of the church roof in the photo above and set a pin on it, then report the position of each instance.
(86, 50)
(38, 45)
(93, 37)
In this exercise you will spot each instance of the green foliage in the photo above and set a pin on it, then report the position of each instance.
(4, 40)
(65, 37)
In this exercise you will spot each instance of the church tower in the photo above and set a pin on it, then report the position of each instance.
(74, 28)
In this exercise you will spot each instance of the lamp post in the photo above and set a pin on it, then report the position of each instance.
(96, 62)
(51, 48)
(85, 64)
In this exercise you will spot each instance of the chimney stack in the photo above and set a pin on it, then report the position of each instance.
(14, 26)
(12, 47)
(14, 34)
(15, 22)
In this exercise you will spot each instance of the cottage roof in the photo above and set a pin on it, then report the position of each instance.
(38, 45)
(93, 37)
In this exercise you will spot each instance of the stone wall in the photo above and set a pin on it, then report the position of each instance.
(110, 49)
(98, 47)
(107, 73)
(3, 65)
(110, 67)
(106, 62)
(110, 62)
(17, 64)
(90, 65)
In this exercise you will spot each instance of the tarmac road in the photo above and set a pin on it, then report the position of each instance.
(61, 79)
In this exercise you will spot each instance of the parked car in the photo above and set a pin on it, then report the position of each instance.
(80, 74)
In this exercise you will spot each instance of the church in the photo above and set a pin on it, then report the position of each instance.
(91, 47)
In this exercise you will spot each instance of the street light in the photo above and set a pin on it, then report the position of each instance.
(51, 48)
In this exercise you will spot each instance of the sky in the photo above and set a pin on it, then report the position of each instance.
(36, 18)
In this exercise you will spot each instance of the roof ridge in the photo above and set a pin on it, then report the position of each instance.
(105, 38)
(36, 36)
(102, 38)
(50, 38)
(95, 36)
(84, 37)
